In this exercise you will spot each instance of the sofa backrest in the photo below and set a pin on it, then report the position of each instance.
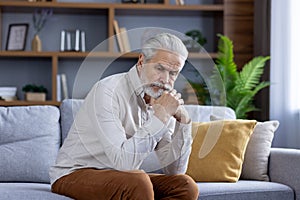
(29, 142)
(70, 107)
(198, 113)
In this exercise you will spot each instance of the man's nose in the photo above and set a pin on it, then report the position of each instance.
(165, 77)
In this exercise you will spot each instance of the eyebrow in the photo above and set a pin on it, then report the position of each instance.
(160, 65)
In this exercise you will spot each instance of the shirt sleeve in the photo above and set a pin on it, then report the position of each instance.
(102, 109)
(174, 149)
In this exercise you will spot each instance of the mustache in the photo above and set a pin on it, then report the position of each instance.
(165, 87)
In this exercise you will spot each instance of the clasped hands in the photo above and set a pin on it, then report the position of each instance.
(170, 104)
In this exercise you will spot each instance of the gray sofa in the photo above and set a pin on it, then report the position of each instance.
(30, 138)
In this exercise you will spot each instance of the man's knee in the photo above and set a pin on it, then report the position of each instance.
(140, 186)
(188, 185)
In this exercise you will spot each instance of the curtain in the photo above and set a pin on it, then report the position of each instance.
(285, 72)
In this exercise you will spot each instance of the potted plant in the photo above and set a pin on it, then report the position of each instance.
(240, 86)
(34, 92)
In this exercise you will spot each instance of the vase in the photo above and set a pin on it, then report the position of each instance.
(36, 43)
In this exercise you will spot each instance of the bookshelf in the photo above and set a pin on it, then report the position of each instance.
(221, 14)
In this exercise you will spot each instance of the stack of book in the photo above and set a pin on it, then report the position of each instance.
(122, 38)
(8, 93)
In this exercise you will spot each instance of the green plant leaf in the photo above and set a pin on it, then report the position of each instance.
(250, 75)
(240, 87)
(225, 62)
(244, 106)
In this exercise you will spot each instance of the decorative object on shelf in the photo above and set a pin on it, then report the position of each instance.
(195, 42)
(34, 92)
(72, 40)
(36, 43)
(40, 17)
(16, 37)
(8, 93)
(240, 86)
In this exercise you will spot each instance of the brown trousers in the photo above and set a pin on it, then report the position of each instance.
(92, 184)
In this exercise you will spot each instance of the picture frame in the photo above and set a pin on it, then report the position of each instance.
(16, 37)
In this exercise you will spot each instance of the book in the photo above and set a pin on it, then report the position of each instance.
(64, 86)
(82, 41)
(180, 2)
(125, 39)
(58, 87)
(119, 40)
(77, 40)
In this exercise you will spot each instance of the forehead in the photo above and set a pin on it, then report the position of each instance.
(167, 59)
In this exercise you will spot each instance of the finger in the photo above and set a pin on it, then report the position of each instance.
(181, 102)
(178, 96)
(173, 92)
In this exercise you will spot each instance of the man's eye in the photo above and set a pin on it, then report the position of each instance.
(160, 68)
(173, 73)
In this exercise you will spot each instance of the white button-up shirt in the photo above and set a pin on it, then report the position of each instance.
(116, 129)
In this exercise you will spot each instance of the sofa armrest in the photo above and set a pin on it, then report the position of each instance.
(284, 168)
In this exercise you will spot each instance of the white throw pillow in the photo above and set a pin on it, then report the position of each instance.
(256, 159)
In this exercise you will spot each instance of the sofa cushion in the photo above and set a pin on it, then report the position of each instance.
(68, 109)
(256, 159)
(29, 142)
(202, 113)
(257, 154)
(28, 191)
(218, 149)
(244, 189)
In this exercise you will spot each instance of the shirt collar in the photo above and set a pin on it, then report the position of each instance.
(135, 81)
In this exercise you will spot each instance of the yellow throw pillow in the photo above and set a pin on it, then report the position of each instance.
(218, 150)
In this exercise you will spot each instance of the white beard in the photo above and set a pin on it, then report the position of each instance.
(148, 87)
(149, 91)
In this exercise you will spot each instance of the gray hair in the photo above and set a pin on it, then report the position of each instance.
(164, 41)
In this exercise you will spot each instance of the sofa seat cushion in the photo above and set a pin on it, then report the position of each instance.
(32, 191)
(244, 189)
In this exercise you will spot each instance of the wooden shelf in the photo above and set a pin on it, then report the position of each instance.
(90, 54)
(214, 7)
(27, 103)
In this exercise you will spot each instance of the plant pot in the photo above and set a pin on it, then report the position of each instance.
(35, 96)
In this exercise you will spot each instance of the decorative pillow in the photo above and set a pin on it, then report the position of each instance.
(218, 150)
(257, 154)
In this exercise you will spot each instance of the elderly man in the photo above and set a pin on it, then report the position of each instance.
(123, 119)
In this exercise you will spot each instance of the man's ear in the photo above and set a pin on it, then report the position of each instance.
(140, 61)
